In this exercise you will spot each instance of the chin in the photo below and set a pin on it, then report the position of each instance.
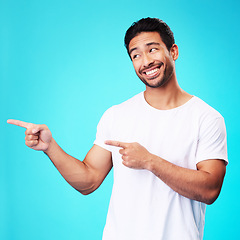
(158, 84)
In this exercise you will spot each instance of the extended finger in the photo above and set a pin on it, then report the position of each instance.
(18, 123)
(116, 143)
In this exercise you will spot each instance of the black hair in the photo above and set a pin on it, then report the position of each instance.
(150, 25)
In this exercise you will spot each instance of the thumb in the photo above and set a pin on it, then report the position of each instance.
(35, 128)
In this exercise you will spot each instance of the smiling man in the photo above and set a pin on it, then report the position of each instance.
(167, 148)
(153, 69)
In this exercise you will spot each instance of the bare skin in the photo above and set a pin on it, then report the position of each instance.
(85, 176)
(155, 66)
(203, 184)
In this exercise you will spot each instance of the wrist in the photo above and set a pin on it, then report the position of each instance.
(150, 162)
(50, 147)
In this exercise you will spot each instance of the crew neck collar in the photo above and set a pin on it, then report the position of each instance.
(166, 110)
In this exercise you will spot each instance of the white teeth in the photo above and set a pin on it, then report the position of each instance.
(152, 71)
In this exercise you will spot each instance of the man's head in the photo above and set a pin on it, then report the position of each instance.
(151, 47)
(150, 25)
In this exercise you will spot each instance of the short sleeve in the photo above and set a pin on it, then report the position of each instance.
(104, 129)
(212, 142)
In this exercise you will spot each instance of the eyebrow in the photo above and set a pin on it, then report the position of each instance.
(148, 44)
(153, 43)
(132, 50)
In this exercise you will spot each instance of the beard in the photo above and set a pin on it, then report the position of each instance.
(162, 80)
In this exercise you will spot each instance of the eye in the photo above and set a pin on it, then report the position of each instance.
(135, 56)
(153, 49)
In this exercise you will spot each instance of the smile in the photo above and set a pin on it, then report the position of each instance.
(153, 71)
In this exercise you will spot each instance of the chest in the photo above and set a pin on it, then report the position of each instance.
(172, 136)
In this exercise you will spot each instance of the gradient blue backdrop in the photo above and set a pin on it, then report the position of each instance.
(63, 63)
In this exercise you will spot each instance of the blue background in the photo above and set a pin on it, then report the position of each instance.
(63, 63)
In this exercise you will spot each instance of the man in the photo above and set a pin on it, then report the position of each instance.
(168, 149)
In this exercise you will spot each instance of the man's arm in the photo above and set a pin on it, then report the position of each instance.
(203, 184)
(85, 176)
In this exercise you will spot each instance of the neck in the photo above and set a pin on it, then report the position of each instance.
(168, 96)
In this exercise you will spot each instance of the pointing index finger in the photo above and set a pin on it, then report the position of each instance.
(18, 123)
(116, 143)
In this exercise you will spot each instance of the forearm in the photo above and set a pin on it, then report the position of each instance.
(198, 185)
(75, 172)
(85, 176)
(203, 184)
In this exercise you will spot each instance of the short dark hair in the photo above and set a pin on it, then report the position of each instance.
(150, 25)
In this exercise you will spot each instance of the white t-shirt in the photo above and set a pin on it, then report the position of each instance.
(142, 207)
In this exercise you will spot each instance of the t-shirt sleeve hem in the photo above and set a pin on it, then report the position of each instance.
(223, 158)
(102, 145)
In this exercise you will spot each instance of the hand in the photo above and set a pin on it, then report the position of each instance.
(134, 155)
(38, 137)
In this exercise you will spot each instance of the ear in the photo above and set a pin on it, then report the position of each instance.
(174, 52)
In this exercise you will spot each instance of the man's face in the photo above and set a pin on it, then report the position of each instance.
(152, 61)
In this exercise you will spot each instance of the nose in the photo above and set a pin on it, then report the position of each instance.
(147, 60)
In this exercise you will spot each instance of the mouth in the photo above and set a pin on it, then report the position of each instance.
(153, 71)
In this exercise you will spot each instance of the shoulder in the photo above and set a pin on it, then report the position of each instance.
(209, 121)
(204, 110)
(127, 105)
(123, 108)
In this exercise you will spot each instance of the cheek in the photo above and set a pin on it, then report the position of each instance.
(137, 67)
(169, 67)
